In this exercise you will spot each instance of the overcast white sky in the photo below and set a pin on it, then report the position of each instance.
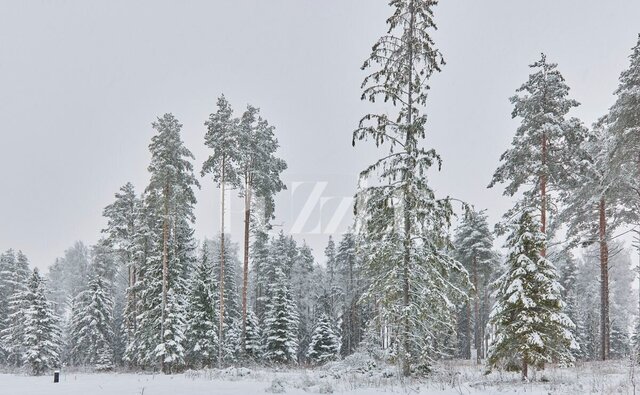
(81, 82)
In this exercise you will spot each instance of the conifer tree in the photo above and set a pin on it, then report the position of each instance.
(122, 232)
(624, 125)
(15, 276)
(169, 200)
(594, 208)
(304, 294)
(325, 345)
(253, 338)
(223, 138)
(202, 323)
(91, 331)
(403, 225)
(280, 323)
(474, 249)
(260, 179)
(541, 152)
(531, 327)
(41, 333)
(260, 262)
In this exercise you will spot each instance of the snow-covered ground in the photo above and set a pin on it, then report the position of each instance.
(452, 378)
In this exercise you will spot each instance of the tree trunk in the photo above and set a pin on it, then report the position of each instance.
(476, 320)
(467, 346)
(245, 271)
(406, 364)
(221, 283)
(485, 304)
(525, 370)
(604, 282)
(165, 266)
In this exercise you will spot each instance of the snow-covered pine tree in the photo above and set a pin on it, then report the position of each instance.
(202, 321)
(15, 275)
(403, 225)
(169, 200)
(531, 328)
(41, 337)
(224, 164)
(260, 178)
(91, 330)
(474, 249)
(594, 208)
(280, 323)
(541, 153)
(624, 127)
(325, 344)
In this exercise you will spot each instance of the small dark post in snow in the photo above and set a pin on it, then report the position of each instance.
(56, 376)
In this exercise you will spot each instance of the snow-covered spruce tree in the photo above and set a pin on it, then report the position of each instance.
(232, 323)
(594, 207)
(41, 337)
(202, 322)
(280, 323)
(7, 263)
(122, 231)
(541, 153)
(91, 330)
(568, 273)
(171, 349)
(259, 263)
(148, 286)
(531, 328)
(333, 292)
(15, 277)
(474, 249)
(222, 137)
(403, 225)
(304, 293)
(253, 338)
(623, 302)
(169, 200)
(352, 314)
(260, 179)
(325, 344)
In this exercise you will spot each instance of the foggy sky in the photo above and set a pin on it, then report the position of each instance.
(81, 82)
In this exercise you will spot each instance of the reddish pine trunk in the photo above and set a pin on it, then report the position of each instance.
(221, 323)
(604, 282)
(476, 321)
(245, 272)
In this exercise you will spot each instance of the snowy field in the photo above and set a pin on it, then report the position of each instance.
(452, 378)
